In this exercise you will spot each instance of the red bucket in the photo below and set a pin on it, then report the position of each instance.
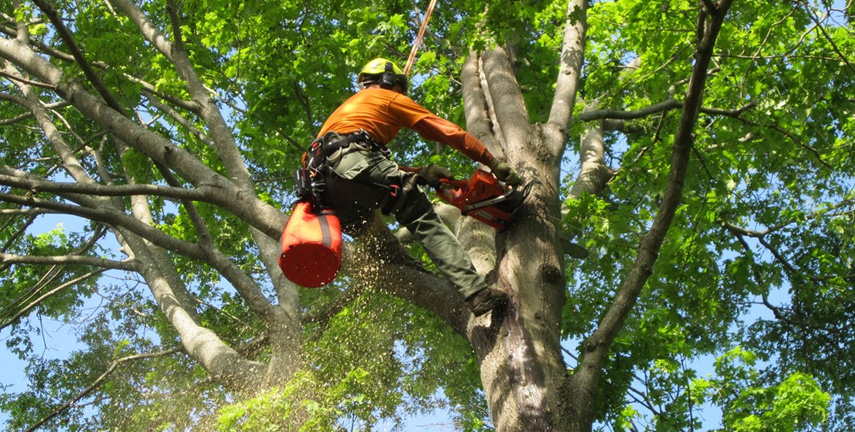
(311, 247)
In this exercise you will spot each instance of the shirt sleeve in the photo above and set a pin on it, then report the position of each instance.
(438, 129)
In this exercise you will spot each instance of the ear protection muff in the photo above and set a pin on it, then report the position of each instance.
(388, 79)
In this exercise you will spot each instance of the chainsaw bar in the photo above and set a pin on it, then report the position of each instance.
(486, 203)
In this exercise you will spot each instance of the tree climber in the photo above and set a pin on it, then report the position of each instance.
(352, 145)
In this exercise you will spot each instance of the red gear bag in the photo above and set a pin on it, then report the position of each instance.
(311, 246)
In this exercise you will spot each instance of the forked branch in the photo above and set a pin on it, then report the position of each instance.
(598, 344)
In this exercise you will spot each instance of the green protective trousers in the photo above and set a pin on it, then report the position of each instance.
(416, 214)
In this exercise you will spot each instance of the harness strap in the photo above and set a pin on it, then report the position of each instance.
(327, 144)
(394, 201)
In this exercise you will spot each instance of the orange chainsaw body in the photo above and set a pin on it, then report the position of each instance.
(482, 197)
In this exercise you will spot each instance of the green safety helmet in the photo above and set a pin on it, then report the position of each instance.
(383, 72)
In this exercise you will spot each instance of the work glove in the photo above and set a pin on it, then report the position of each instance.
(434, 173)
(504, 172)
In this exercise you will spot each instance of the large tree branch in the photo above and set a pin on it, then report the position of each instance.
(240, 281)
(213, 257)
(594, 174)
(242, 203)
(508, 104)
(665, 105)
(598, 344)
(205, 346)
(112, 217)
(476, 106)
(22, 34)
(384, 264)
(658, 107)
(567, 82)
(11, 177)
(32, 102)
(188, 105)
(243, 283)
(68, 38)
(177, 302)
(23, 211)
(221, 136)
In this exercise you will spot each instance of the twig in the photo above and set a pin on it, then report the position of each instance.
(95, 384)
(8, 178)
(66, 260)
(68, 38)
(828, 38)
(47, 295)
(29, 82)
(758, 278)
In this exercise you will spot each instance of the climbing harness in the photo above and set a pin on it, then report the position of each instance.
(311, 179)
(318, 183)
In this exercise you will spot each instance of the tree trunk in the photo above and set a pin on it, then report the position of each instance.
(522, 368)
(524, 375)
(521, 364)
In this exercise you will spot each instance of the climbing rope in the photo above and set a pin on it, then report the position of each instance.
(419, 38)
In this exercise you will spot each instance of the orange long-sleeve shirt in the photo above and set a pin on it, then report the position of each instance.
(382, 113)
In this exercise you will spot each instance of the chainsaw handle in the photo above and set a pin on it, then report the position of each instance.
(459, 184)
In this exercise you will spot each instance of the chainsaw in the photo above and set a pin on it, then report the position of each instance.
(490, 201)
(483, 197)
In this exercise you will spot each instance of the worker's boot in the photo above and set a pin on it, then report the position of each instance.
(486, 300)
